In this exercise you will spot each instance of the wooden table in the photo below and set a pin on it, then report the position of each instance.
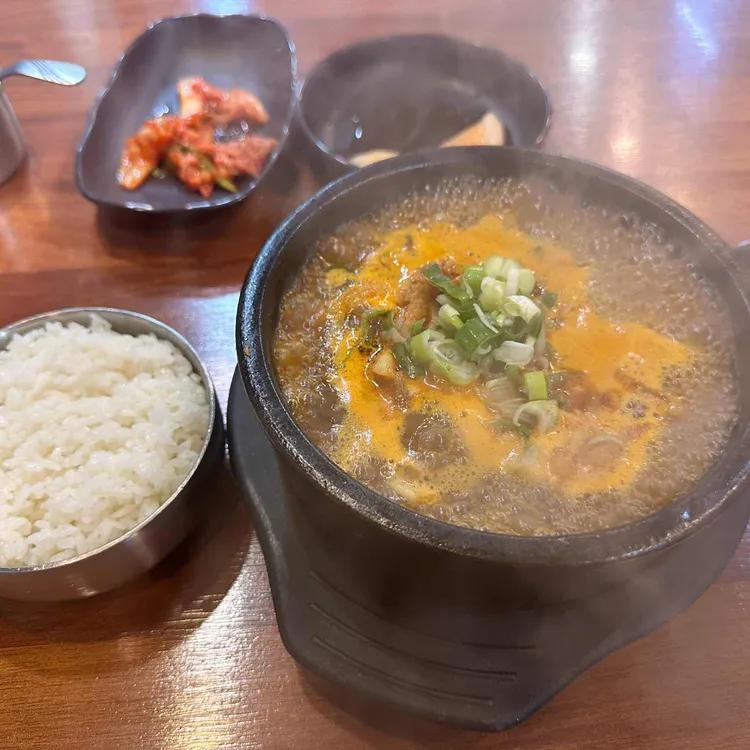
(190, 657)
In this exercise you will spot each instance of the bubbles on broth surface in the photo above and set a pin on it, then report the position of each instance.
(635, 276)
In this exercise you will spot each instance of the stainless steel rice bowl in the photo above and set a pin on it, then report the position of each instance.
(139, 549)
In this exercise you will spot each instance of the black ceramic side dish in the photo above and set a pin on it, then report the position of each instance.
(247, 52)
(410, 92)
(468, 587)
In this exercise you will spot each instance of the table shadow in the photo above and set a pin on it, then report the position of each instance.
(369, 720)
(210, 234)
(151, 614)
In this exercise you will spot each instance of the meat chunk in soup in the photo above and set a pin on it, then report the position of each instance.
(322, 410)
(416, 295)
(432, 439)
(340, 254)
(573, 390)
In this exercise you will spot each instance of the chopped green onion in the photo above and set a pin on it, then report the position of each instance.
(437, 278)
(501, 388)
(379, 312)
(443, 357)
(511, 285)
(481, 352)
(536, 326)
(518, 329)
(526, 281)
(449, 362)
(502, 396)
(536, 385)
(203, 161)
(449, 317)
(422, 344)
(465, 309)
(450, 351)
(492, 294)
(472, 276)
(226, 183)
(508, 266)
(514, 373)
(549, 299)
(406, 362)
(473, 335)
(206, 164)
(158, 173)
(493, 266)
(543, 415)
(368, 322)
(508, 408)
(514, 353)
(522, 307)
(418, 326)
(482, 315)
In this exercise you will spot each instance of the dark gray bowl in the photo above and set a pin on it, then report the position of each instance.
(465, 626)
(141, 548)
(381, 184)
(409, 92)
(247, 52)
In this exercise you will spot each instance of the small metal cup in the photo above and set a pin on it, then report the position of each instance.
(12, 147)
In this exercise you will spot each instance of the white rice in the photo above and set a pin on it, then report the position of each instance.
(97, 430)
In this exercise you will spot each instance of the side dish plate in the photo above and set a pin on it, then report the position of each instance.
(246, 52)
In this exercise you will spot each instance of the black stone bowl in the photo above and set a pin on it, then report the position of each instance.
(410, 92)
(378, 548)
(247, 52)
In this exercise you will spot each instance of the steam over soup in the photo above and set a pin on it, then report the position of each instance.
(486, 362)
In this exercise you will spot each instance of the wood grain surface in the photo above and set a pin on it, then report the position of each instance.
(190, 657)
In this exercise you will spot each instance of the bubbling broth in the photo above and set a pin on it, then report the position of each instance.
(497, 356)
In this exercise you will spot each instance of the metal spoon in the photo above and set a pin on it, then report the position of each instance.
(52, 71)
